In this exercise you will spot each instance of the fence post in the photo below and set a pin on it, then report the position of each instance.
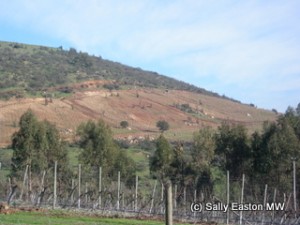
(136, 193)
(228, 199)
(24, 182)
(184, 199)
(265, 202)
(162, 198)
(175, 194)
(274, 200)
(169, 205)
(54, 188)
(118, 200)
(153, 194)
(86, 194)
(242, 198)
(79, 184)
(294, 186)
(195, 200)
(72, 194)
(29, 193)
(100, 187)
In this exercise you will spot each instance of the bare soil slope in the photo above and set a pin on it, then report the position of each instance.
(141, 108)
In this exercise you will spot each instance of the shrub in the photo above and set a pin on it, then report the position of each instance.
(162, 125)
(124, 124)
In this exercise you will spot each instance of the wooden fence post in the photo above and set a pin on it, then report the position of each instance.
(54, 188)
(24, 182)
(242, 198)
(119, 186)
(153, 194)
(169, 205)
(86, 193)
(195, 200)
(162, 198)
(228, 197)
(265, 202)
(100, 187)
(294, 186)
(175, 195)
(136, 193)
(72, 193)
(79, 185)
(274, 200)
(184, 199)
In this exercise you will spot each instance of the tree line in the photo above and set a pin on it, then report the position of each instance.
(37, 145)
(265, 156)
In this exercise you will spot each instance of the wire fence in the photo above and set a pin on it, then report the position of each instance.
(95, 192)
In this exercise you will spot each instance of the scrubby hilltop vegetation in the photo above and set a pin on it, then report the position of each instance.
(28, 69)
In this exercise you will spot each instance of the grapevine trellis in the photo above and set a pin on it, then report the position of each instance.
(85, 192)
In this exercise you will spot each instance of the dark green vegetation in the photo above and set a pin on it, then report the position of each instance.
(38, 145)
(161, 159)
(64, 218)
(162, 125)
(100, 150)
(28, 69)
(124, 124)
(264, 157)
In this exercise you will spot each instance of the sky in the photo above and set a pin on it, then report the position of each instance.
(246, 50)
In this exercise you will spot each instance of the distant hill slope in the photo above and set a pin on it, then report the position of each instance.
(185, 111)
(28, 69)
(70, 87)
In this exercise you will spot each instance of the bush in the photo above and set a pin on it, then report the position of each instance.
(124, 124)
(123, 144)
(111, 86)
(147, 145)
(275, 111)
(162, 125)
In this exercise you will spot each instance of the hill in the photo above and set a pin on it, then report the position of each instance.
(185, 111)
(29, 69)
(67, 88)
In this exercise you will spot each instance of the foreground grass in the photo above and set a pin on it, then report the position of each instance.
(58, 218)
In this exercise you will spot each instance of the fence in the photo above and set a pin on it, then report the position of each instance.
(91, 191)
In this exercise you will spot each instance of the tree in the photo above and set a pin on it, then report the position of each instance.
(203, 148)
(38, 145)
(298, 109)
(232, 147)
(273, 150)
(162, 125)
(124, 124)
(203, 151)
(98, 145)
(23, 142)
(160, 166)
(161, 160)
(99, 149)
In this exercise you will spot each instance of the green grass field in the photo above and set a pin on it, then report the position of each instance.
(62, 218)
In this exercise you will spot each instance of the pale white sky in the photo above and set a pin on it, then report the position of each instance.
(247, 50)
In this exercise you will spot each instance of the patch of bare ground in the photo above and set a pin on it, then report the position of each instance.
(142, 108)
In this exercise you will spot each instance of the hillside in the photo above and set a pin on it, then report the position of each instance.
(142, 108)
(28, 69)
(67, 88)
